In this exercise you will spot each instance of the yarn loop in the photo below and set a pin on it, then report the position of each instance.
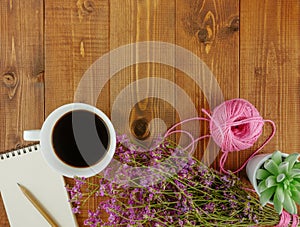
(285, 219)
(235, 125)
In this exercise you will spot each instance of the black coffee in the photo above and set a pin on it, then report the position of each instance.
(80, 138)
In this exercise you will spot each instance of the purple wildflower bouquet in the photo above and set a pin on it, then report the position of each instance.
(195, 195)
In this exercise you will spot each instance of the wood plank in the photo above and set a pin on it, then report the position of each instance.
(76, 34)
(22, 73)
(137, 21)
(270, 68)
(210, 29)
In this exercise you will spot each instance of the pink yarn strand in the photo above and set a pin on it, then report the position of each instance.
(197, 140)
(225, 153)
(295, 222)
(285, 219)
(182, 122)
(193, 140)
(188, 134)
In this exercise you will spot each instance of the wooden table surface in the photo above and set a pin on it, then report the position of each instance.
(251, 46)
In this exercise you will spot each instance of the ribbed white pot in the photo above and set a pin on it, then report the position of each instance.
(253, 165)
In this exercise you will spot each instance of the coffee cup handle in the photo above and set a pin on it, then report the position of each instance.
(32, 135)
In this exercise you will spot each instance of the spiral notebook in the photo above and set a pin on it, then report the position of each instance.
(27, 167)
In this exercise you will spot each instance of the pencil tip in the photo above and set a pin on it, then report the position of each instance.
(18, 184)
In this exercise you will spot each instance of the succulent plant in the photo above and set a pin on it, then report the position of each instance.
(279, 182)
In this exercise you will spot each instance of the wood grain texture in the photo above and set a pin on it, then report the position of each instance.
(22, 73)
(136, 21)
(270, 68)
(210, 29)
(76, 34)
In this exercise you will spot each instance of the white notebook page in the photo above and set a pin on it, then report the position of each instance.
(28, 168)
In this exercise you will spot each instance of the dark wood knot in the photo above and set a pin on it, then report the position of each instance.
(203, 35)
(88, 6)
(140, 129)
(235, 24)
(9, 79)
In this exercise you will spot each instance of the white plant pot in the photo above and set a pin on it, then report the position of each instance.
(253, 165)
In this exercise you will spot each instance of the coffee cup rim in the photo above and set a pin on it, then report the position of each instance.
(48, 151)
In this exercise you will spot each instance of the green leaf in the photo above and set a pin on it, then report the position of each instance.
(296, 165)
(286, 185)
(296, 184)
(296, 196)
(277, 205)
(270, 181)
(266, 195)
(262, 174)
(277, 157)
(279, 194)
(283, 167)
(280, 177)
(289, 205)
(292, 187)
(296, 178)
(271, 166)
(292, 158)
(294, 173)
(262, 186)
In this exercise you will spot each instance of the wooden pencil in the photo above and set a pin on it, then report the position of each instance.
(37, 205)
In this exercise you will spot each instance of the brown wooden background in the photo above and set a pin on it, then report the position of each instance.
(251, 46)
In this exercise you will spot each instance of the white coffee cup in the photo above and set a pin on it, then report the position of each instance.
(51, 155)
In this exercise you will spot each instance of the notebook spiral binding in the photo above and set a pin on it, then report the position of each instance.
(19, 151)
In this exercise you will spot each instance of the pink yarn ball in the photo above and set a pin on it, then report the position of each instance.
(235, 125)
